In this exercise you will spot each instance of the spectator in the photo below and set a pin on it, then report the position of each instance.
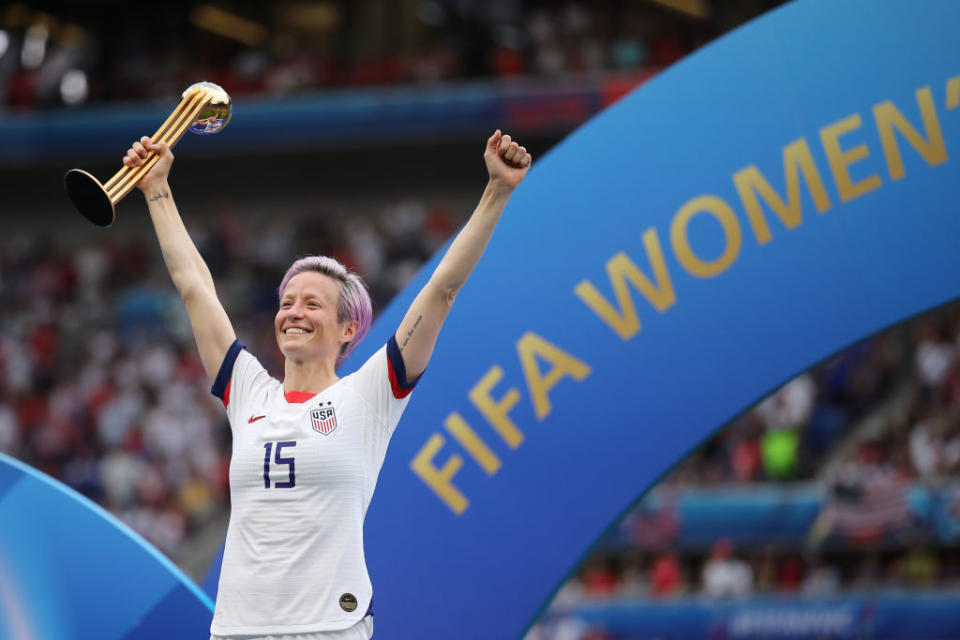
(598, 578)
(919, 566)
(934, 356)
(823, 579)
(666, 576)
(790, 574)
(724, 575)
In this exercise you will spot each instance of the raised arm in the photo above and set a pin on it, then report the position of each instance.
(211, 326)
(507, 164)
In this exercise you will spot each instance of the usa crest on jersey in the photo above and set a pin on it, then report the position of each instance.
(324, 420)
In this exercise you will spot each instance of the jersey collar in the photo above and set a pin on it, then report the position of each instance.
(298, 397)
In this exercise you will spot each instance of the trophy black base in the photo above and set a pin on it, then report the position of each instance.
(89, 197)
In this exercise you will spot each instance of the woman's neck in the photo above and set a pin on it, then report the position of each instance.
(312, 376)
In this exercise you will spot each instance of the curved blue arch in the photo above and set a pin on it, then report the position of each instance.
(69, 569)
(656, 275)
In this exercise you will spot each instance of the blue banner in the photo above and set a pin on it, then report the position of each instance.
(784, 192)
(69, 569)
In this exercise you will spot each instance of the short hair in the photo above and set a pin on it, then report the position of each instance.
(353, 304)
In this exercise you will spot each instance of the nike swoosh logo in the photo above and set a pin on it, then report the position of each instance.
(254, 419)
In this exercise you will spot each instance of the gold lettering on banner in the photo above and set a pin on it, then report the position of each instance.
(841, 160)
(888, 117)
(751, 183)
(621, 270)
(470, 441)
(953, 93)
(439, 480)
(719, 210)
(532, 347)
(497, 412)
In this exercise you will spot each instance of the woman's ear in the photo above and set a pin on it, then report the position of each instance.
(350, 331)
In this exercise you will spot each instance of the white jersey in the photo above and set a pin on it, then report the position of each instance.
(302, 474)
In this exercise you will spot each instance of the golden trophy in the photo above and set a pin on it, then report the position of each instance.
(204, 109)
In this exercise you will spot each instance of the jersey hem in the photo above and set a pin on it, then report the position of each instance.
(271, 630)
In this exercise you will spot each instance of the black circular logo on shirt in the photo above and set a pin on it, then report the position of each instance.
(348, 602)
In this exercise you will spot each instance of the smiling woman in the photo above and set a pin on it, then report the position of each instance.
(307, 451)
(322, 283)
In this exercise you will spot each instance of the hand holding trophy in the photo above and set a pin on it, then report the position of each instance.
(204, 109)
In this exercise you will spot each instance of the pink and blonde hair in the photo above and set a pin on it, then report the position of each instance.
(354, 302)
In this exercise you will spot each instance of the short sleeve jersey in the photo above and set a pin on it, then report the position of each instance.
(302, 473)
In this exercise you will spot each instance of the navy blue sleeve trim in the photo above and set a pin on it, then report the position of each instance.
(396, 365)
(226, 369)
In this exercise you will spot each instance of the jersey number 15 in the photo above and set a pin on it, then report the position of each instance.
(278, 459)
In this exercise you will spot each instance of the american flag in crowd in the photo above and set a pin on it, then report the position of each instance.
(882, 507)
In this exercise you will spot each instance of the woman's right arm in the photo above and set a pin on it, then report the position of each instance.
(211, 326)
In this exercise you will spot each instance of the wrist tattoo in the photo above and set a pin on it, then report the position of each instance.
(163, 195)
(410, 333)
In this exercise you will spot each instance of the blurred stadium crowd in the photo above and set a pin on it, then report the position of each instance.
(74, 56)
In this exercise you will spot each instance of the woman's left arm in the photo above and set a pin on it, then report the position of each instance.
(507, 164)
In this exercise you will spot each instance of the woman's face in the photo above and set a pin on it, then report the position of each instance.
(306, 323)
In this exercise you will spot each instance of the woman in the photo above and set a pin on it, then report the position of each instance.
(307, 451)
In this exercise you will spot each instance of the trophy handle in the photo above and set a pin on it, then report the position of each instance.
(97, 202)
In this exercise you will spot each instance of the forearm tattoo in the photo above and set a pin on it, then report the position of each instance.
(410, 333)
(164, 195)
